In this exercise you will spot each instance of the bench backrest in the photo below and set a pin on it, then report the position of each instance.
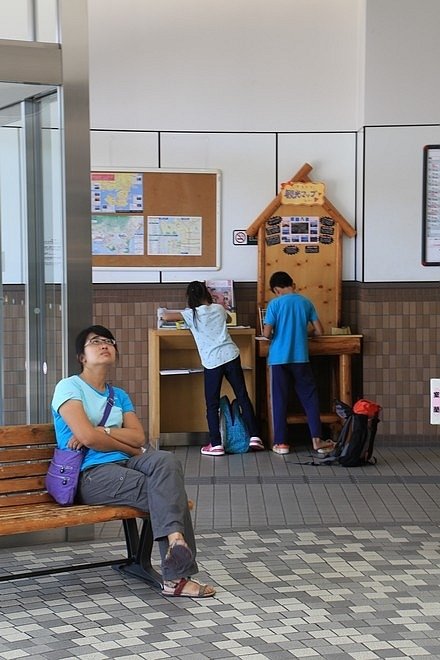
(25, 453)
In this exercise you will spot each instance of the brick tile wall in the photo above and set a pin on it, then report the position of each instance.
(399, 322)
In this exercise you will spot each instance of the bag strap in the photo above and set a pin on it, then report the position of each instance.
(108, 405)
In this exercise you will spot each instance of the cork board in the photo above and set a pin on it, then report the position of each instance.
(155, 219)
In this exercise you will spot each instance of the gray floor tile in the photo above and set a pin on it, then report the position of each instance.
(319, 562)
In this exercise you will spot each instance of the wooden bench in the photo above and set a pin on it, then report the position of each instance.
(25, 506)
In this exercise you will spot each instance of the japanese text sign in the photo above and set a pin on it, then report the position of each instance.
(304, 194)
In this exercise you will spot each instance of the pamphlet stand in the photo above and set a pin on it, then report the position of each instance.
(177, 414)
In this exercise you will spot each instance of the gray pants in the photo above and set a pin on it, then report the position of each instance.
(151, 482)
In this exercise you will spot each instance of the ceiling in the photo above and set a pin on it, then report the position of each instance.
(14, 92)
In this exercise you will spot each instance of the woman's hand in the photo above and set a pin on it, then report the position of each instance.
(74, 443)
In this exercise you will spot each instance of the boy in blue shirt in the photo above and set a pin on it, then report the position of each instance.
(286, 325)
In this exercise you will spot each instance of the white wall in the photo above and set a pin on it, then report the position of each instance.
(210, 86)
(257, 89)
(333, 158)
(249, 164)
(392, 234)
(235, 65)
(402, 62)
(401, 99)
(246, 163)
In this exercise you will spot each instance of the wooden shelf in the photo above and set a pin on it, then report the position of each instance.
(177, 400)
(326, 418)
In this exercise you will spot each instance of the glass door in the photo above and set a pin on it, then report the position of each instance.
(31, 234)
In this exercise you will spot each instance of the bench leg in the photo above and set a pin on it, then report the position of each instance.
(139, 549)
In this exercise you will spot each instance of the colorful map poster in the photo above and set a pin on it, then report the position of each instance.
(116, 192)
(118, 235)
(174, 235)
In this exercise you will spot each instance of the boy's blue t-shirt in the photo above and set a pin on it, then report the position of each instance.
(94, 403)
(289, 316)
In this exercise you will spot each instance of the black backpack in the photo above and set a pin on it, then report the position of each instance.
(355, 442)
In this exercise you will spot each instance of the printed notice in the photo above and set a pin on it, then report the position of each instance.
(116, 192)
(174, 235)
(118, 235)
(432, 208)
(435, 400)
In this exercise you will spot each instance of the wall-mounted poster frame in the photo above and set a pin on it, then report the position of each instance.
(157, 219)
(431, 206)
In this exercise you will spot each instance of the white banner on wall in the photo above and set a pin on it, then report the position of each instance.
(435, 400)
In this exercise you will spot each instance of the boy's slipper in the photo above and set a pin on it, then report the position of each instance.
(323, 450)
(329, 445)
(281, 449)
(179, 558)
(178, 589)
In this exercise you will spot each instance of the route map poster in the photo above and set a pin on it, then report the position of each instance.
(174, 235)
(118, 235)
(117, 192)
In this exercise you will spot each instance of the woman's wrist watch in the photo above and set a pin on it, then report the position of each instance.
(107, 430)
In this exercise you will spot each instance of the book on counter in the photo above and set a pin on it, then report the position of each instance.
(170, 325)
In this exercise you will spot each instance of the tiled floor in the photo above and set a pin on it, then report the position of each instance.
(319, 562)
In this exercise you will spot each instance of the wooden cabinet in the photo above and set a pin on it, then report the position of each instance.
(177, 413)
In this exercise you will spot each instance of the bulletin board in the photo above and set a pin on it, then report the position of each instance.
(158, 219)
(431, 206)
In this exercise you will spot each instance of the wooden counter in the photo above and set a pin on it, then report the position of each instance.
(340, 346)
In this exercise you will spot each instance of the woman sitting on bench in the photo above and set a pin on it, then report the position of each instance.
(117, 467)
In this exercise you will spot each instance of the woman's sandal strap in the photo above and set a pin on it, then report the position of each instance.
(180, 586)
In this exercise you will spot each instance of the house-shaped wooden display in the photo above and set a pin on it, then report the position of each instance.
(301, 232)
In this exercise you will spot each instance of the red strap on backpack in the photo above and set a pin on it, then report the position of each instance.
(366, 407)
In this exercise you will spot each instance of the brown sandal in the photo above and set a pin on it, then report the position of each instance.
(204, 591)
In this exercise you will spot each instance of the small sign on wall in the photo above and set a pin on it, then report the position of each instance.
(240, 237)
(303, 193)
(435, 400)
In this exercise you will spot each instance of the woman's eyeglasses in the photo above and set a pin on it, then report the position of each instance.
(100, 341)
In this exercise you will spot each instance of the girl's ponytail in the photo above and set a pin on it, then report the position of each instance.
(197, 294)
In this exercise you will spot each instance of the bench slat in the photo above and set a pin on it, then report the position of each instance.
(25, 454)
(23, 519)
(7, 501)
(24, 434)
(22, 484)
(23, 470)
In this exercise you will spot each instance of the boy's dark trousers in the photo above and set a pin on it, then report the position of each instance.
(282, 376)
